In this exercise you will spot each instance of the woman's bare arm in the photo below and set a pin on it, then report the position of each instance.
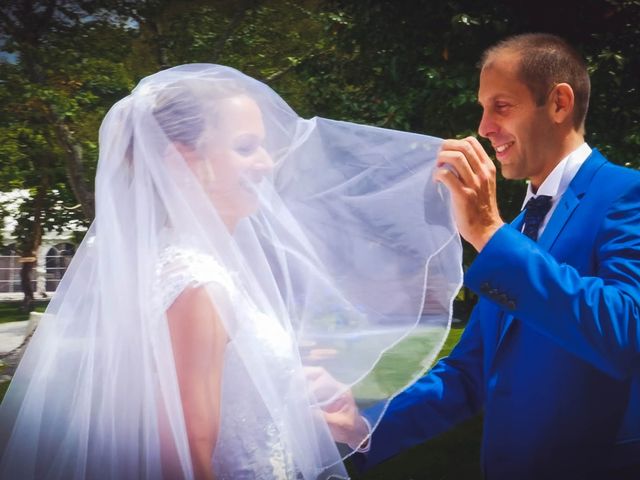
(198, 339)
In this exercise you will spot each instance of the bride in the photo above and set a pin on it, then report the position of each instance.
(237, 250)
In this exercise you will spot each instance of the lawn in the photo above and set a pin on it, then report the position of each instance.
(11, 312)
(454, 455)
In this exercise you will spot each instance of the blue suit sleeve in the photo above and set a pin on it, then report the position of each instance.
(451, 392)
(595, 317)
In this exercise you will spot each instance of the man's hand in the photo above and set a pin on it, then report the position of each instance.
(470, 175)
(338, 406)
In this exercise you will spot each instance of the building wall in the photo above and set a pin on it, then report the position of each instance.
(53, 258)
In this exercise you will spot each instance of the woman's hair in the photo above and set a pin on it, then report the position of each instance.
(179, 114)
(183, 108)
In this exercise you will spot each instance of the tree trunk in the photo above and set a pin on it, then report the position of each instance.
(33, 23)
(160, 50)
(26, 277)
(75, 168)
(31, 244)
(29, 259)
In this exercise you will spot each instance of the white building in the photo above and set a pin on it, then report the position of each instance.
(53, 256)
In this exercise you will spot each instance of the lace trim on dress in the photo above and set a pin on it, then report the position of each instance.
(181, 267)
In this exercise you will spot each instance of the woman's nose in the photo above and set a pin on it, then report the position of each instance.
(264, 162)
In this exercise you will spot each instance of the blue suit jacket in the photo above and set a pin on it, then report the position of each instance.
(552, 349)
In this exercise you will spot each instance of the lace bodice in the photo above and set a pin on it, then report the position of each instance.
(249, 443)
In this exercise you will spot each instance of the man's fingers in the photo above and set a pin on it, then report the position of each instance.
(325, 389)
(460, 194)
(450, 180)
(478, 160)
(313, 373)
(465, 148)
(456, 161)
(481, 153)
(337, 405)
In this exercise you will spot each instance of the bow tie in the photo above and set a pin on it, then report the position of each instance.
(535, 211)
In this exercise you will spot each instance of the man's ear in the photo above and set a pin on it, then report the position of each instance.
(561, 102)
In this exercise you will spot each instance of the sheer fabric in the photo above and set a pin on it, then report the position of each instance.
(320, 243)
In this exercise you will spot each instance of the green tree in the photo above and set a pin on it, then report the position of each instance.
(412, 66)
(62, 76)
(70, 60)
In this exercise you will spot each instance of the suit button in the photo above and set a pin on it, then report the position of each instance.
(503, 299)
(493, 293)
(485, 287)
(511, 305)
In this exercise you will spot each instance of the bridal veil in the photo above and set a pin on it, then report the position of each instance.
(331, 248)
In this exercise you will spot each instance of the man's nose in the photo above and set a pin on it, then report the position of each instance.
(487, 126)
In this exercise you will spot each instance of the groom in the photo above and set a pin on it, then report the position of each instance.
(551, 353)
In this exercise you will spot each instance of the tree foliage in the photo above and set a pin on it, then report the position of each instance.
(404, 65)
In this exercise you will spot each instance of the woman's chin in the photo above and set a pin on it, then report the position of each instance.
(242, 203)
(241, 210)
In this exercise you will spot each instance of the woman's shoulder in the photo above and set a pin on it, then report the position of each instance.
(181, 266)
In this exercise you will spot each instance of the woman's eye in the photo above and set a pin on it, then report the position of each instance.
(246, 150)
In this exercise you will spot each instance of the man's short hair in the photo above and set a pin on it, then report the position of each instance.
(545, 61)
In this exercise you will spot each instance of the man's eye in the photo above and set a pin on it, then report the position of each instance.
(502, 106)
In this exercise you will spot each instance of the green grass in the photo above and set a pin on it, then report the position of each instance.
(11, 311)
(452, 339)
(454, 455)
(399, 366)
(4, 386)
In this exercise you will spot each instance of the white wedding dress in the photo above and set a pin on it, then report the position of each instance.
(250, 444)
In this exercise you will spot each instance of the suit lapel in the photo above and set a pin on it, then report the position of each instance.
(570, 200)
(518, 222)
(567, 204)
(561, 214)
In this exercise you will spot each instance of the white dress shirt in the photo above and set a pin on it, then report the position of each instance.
(558, 180)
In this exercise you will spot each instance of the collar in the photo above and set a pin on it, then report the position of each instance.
(560, 177)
